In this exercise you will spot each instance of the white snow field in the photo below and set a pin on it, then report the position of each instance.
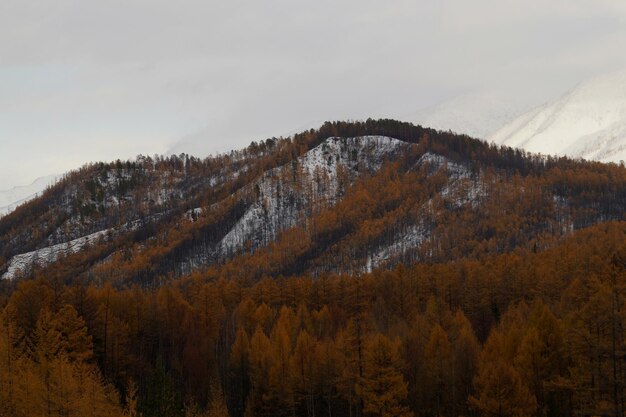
(588, 122)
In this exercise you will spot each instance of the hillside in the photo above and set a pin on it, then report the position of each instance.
(348, 197)
(359, 264)
(588, 122)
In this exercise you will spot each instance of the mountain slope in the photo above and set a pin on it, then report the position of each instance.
(281, 204)
(10, 199)
(588, 122)
(121, 200)
(347, 197)
(475, 114)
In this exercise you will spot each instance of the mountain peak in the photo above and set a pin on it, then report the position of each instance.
(587, 122)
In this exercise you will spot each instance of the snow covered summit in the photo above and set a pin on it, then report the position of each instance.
(588, 122)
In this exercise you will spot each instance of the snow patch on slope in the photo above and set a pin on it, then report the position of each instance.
(434, 162)
(45, 256)
(281, 203)
(409, 239)
(49, 254)
(461, 189)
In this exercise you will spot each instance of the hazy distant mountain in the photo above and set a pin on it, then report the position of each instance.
(9, 199)
(588, 122)
(476, 114)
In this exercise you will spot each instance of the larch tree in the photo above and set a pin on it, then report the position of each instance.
(217, 404)
(240, 372)
(75, 342)
(499, 388)
(280, 377)
(439, 368)
(466, 350)
(260, 363)
(350, 346)
(416, 373)
(542, 359)
(382, 387)
(326, 372)
(303, 367)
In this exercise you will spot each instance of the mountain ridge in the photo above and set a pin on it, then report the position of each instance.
(346, 197)
(587, 122)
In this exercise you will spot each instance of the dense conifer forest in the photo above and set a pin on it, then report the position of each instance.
(441, 277)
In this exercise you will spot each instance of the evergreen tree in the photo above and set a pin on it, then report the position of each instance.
(382, 386)
(500, 390)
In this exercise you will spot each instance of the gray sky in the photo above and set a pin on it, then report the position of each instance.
(85, 80)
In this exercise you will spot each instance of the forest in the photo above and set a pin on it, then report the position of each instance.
(456, 278)
(518, 334)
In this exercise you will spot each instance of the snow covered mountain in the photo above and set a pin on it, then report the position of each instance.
(475, 114)
(279, 199)
(587, 122)
(9, 199)
(350, 196)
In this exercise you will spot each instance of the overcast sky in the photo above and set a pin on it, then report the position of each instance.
(88, 80)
